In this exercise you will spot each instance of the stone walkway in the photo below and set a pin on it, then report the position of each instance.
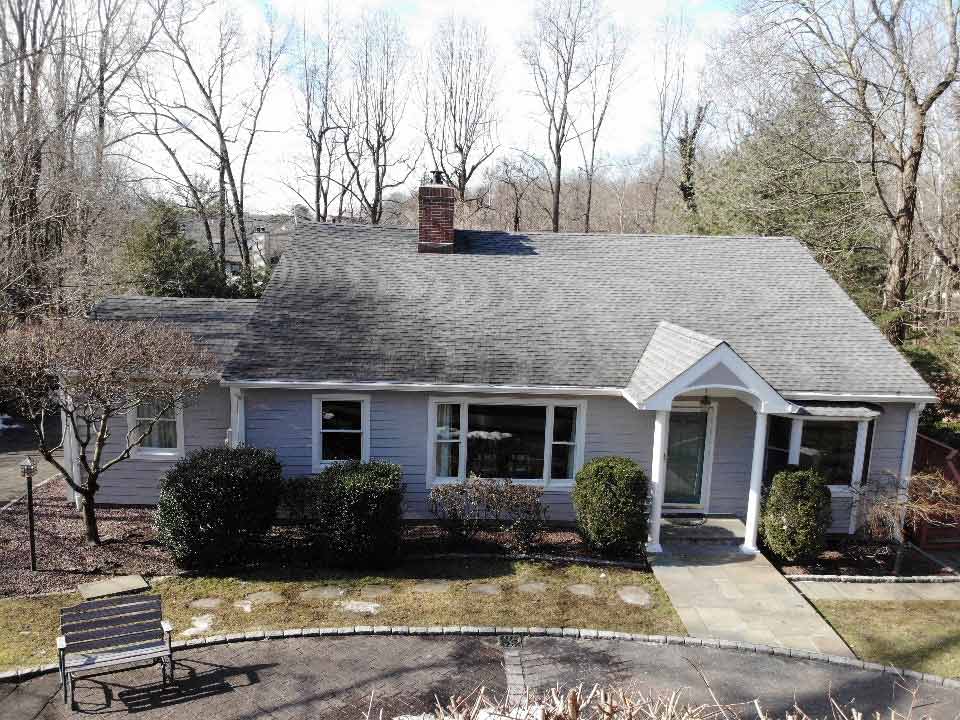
(721, 593)
(336, 677)
(881, 592)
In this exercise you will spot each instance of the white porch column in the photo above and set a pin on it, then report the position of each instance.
(238, 420)
(796, 436)
(658, 474)
(756, 483)
(856, 477)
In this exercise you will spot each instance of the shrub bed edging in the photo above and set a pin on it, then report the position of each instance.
(25, 673)
(874, 578)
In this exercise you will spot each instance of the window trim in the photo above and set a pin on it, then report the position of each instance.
(861, 463)
(150, 453)
(464, 401)
(317, 463)
(709, 444)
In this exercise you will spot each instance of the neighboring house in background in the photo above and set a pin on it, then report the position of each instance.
(711, 361)
(268, 236)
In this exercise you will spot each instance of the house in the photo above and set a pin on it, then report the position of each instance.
(711, 361)
(268, 236)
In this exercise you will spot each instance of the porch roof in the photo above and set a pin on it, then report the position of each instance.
(815, 409)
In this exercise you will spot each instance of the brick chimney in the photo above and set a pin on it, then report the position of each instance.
(436, 216)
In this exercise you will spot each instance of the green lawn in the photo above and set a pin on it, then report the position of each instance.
(28, 625)
(921, 636)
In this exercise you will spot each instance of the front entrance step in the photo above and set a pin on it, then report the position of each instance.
(698, 529)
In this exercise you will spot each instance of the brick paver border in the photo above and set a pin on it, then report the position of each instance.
(580, 633)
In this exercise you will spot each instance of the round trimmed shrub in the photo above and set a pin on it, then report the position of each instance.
(215, 501)
(611, 497)
(796, 514)
(358, 509)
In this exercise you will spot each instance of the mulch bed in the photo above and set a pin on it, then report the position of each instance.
(858, 557)
(64, 560)
(129, 545)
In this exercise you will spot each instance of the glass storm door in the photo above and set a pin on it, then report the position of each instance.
(687, 441)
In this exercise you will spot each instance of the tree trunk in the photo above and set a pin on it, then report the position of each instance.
(91, 531)
(555, 216)
(895, 287)
(586, 215)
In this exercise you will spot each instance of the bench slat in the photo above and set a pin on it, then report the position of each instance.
(113, 631)
(119, 643)
(74, 614)
(79, 661)
(111, 602)
(118, 620)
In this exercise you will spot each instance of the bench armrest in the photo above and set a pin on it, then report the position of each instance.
(167, 626)
(61, 643)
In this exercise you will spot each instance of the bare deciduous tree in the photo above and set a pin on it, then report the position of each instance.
(459, 101)
(885, 64)
(556, 54)
(687, 149)
(371, 111)
(92, 373)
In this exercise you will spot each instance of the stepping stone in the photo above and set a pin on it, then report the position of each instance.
(582, 590)
(634, 595)
(199, 624)
(322, 593)
(431, 588)
(211, 603)
(244, 605)
(112, 586)
(264, 597)
(483, 589)
(360, 607)
(532, 588)
(375, 591)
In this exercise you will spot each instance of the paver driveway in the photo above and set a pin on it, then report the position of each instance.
(331, 677)
(719, 592)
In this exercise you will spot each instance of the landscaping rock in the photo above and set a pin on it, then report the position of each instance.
(199, 624)
(532, 588)
(634, 595)
(431, 587)
(483, 589)
(322, 593)
(582, 590)
(211, 603)
(375, 591)
(359, 606)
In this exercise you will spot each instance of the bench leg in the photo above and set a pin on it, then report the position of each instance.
(70, 701)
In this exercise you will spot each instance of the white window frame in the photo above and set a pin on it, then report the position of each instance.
(550, 404)
(861, 463)
(706, 474)
(317, 423)
(151, 453)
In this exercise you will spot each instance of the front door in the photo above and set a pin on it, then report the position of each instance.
(689, 451)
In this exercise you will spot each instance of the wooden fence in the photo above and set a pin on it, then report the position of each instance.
(930, 455)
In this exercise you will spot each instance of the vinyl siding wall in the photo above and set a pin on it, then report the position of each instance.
(282, 420)
(136, 481)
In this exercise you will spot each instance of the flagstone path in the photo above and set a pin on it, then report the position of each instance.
(719, 592)
(881, 592)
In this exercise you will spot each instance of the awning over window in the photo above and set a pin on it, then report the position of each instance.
(858, 411)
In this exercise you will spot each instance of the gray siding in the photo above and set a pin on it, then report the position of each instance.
(136, 481)
(732, 458)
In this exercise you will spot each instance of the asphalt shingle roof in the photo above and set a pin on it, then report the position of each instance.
(359, 304)
(671, 350)
(214, 323)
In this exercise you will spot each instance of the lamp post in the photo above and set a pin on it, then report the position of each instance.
(27, 469)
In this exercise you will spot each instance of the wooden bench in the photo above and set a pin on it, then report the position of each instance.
(115, 631)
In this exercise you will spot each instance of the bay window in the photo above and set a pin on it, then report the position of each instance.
(525, 441)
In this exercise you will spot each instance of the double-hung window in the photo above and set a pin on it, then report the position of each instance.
(341, 429)
(165, 437)
(525, 441)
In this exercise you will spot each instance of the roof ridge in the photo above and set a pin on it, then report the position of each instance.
(692, 334)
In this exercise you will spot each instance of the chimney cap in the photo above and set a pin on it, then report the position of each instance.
(437, 177)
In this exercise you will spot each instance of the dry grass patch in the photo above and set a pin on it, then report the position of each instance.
(555, 607)
(921, 636)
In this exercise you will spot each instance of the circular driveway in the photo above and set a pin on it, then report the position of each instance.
(331, 677)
